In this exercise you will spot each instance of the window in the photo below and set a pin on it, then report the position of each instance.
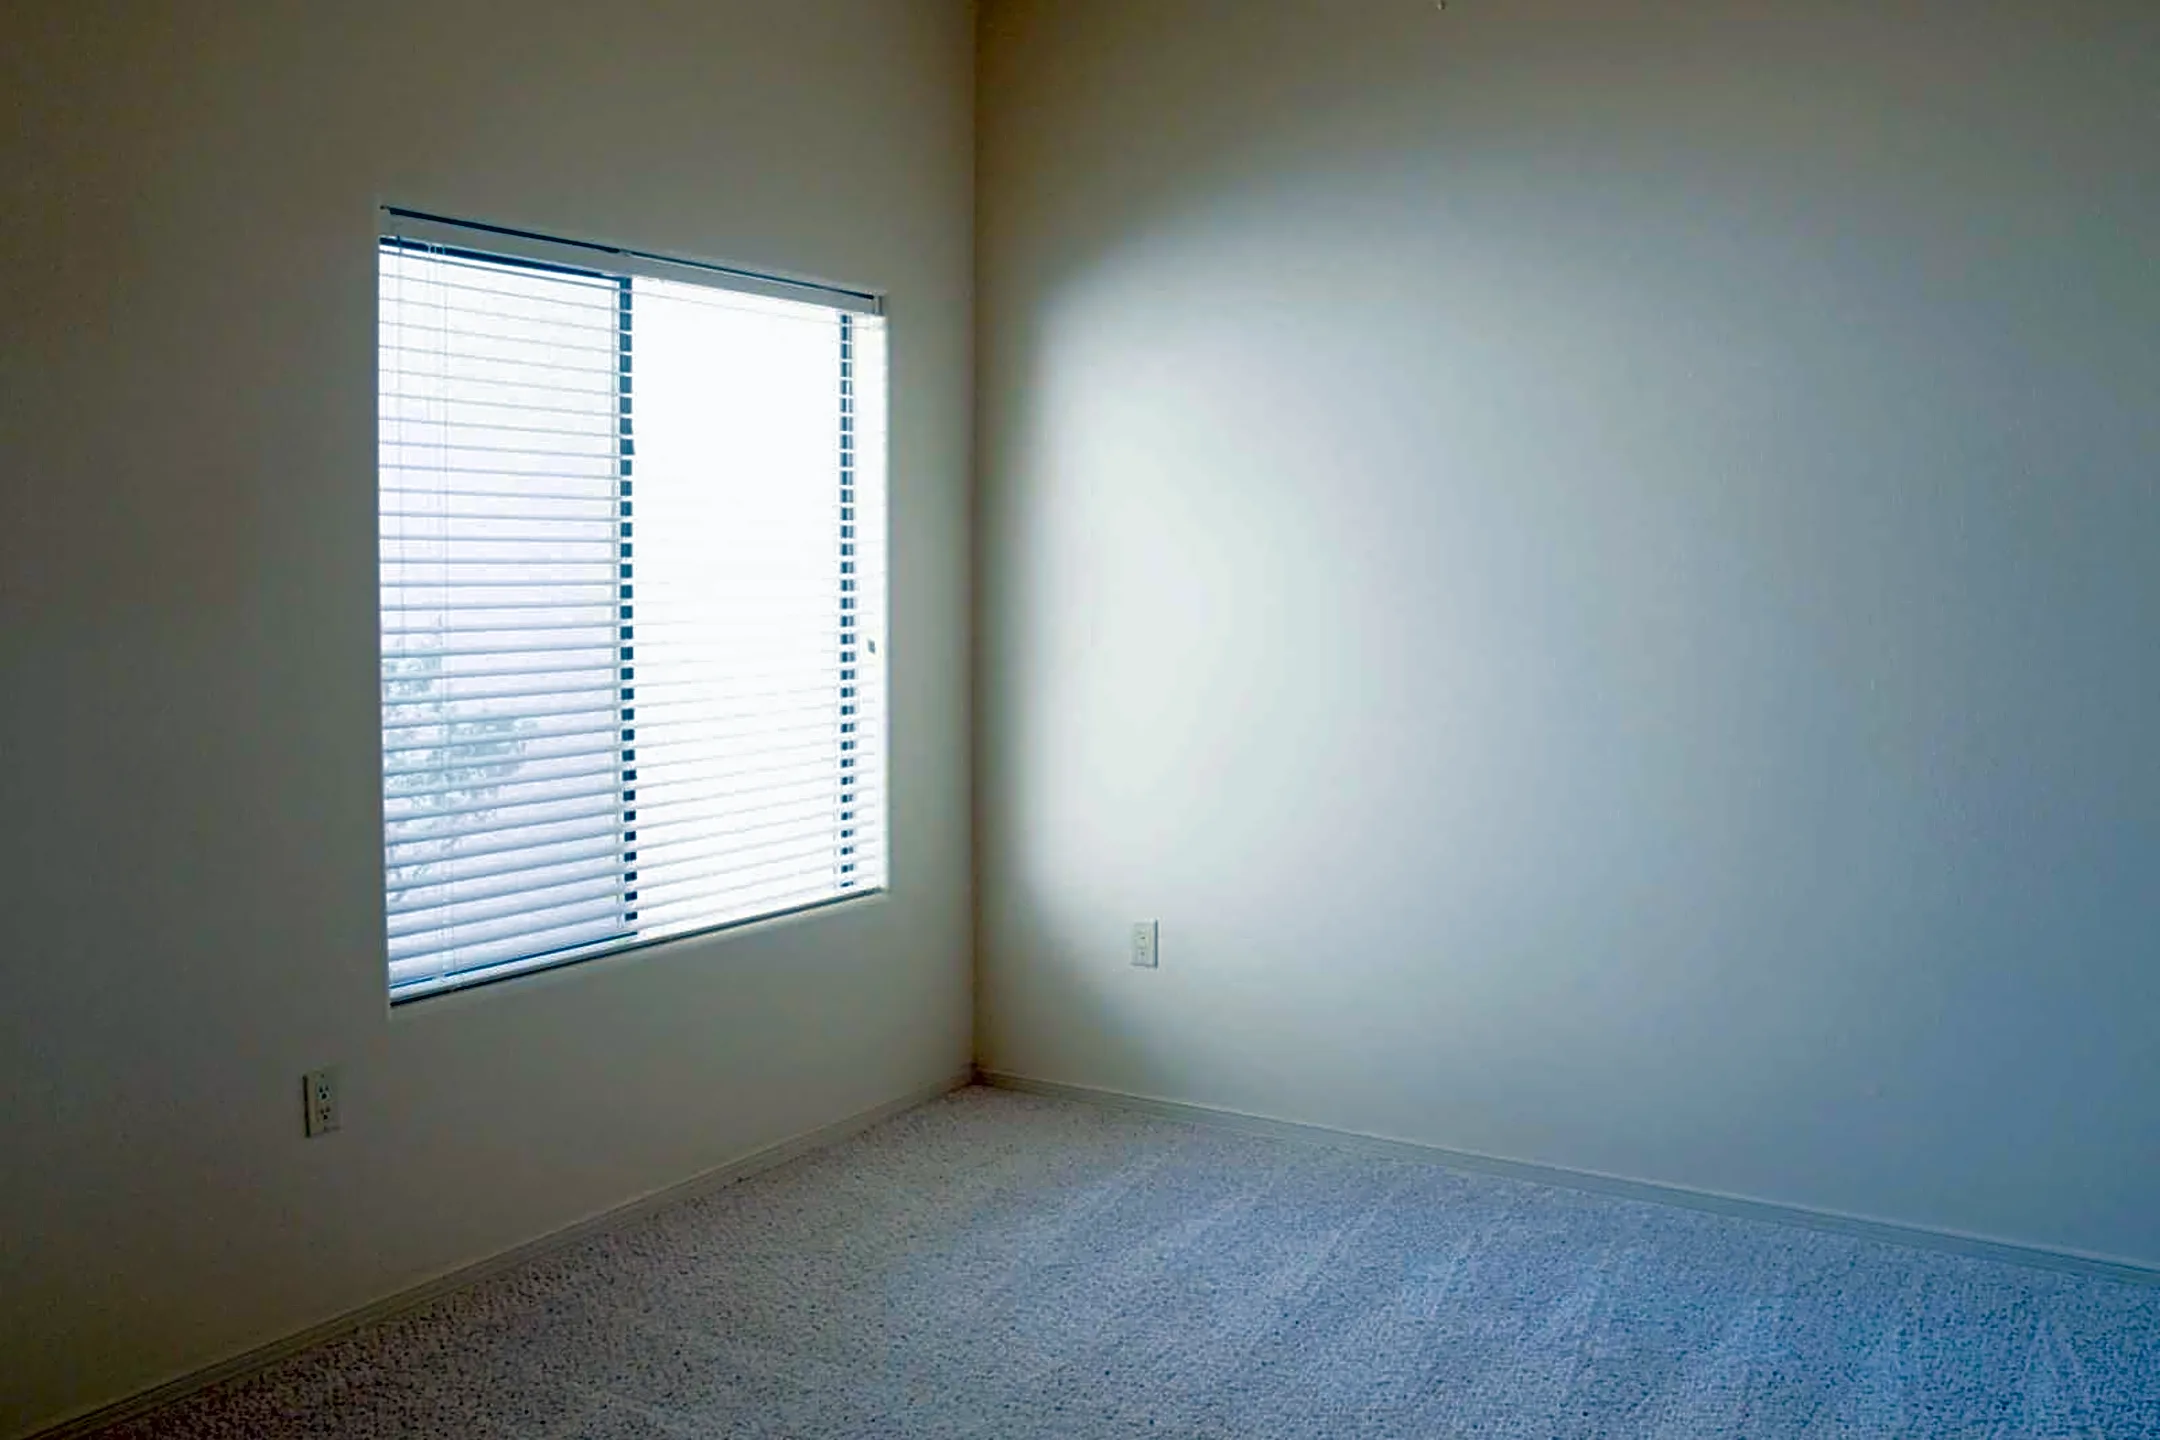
(632, 575)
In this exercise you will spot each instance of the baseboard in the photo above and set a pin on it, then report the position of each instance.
(719, 1177)
(1972, 1246)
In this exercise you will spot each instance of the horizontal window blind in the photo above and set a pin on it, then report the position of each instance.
(632, 543)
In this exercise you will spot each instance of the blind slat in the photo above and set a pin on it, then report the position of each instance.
(707, 755)
(451, 687)
(661, 649)
(648, 712)
(656, 806)
(445, 733)
(672, 780)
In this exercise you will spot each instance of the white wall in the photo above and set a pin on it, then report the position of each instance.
(1598, 566)
(190, 875)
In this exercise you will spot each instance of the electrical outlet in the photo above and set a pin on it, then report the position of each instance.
(319, 1096)
(1145, 939)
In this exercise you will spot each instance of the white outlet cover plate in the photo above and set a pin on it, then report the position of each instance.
(1146, 946)
(319, 1095)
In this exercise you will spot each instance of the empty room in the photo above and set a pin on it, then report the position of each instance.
(1080, 718)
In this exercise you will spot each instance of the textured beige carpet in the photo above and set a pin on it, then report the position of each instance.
(995, 1265)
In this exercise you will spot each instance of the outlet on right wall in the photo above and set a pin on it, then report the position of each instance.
(1598, 567)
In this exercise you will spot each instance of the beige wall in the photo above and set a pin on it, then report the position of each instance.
(1597, 566)
(190, 875)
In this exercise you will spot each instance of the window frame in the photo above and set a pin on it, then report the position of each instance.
(596, 259)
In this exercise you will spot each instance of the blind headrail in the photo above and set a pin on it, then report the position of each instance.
(483, 239)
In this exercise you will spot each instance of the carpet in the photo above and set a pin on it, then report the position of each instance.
(1001, 1265)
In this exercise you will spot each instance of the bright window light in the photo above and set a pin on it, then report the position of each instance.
(632, 571)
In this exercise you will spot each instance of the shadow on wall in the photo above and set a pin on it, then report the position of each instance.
(1592, 563)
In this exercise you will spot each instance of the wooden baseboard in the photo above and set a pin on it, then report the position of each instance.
(262, 1356)
(1972, 1246)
